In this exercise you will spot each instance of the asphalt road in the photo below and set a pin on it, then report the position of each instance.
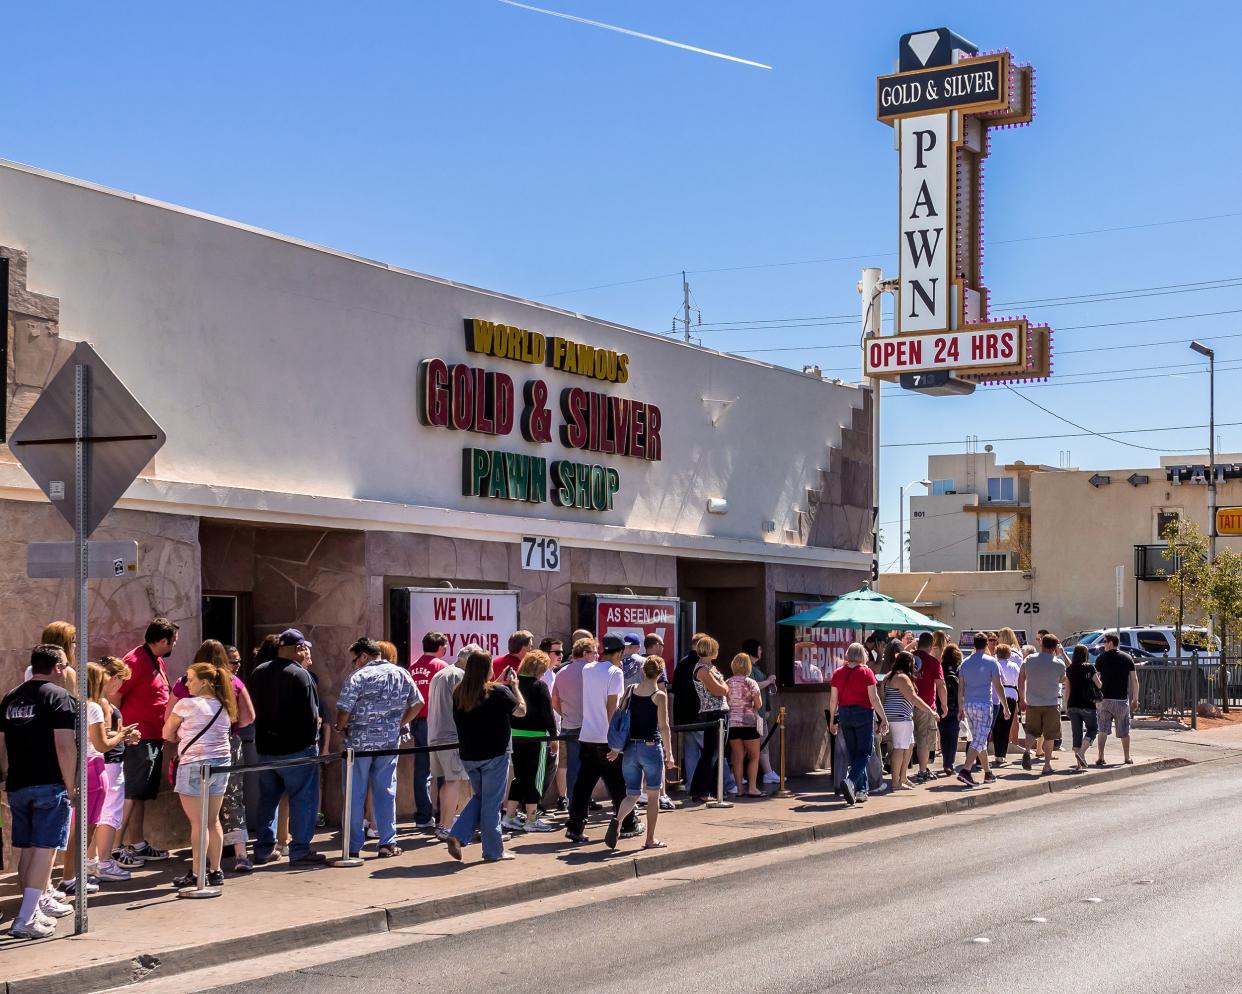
(1136, 889)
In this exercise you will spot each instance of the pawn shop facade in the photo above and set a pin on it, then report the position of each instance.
(352, 445)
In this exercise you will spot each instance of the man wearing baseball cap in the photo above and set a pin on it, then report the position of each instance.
(286, 709)
(602, 687)
(632, 664)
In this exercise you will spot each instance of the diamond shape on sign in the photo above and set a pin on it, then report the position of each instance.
(123, 439)
(924, 44)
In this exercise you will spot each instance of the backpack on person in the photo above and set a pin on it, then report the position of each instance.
(619, 723)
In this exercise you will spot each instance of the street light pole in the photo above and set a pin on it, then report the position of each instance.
(901, 523)
(1210, 354)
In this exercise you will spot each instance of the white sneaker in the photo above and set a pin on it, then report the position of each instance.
(52, 908)
(368, 831)
(642, 798)
(109, 870)
(539, 825)
(771, 777)
(513, 824)
(37, 929)
(56, 892)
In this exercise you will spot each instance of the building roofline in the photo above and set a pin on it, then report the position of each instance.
(398, 270)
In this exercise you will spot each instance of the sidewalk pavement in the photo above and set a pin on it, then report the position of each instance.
(141, 928)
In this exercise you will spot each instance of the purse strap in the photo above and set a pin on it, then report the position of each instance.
(201, 732)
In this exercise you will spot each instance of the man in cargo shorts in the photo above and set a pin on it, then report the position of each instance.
(1040, 683)
(1119, 685)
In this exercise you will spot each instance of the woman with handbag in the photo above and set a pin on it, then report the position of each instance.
(712, 694)
(199, 727)
(1084, 692)
(745, 701)
(647, 752)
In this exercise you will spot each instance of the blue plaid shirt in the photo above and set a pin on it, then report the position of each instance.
(376, 696)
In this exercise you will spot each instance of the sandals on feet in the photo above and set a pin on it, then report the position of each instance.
(387, 852)
(657, 844)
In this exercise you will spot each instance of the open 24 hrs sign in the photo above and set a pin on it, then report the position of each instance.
(995, 346)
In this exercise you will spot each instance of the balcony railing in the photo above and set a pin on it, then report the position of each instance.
(1153, 562)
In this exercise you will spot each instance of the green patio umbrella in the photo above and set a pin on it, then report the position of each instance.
(864, 609)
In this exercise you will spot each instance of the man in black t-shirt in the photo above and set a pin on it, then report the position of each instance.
(1119, 685)
(38, 758)
(287, 719)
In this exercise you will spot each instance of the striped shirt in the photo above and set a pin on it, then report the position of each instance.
(896, 707)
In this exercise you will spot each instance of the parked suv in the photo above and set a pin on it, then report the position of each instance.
(1161, 640)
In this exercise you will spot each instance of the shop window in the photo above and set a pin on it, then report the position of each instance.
(1000, 488)
(993, 562)
(940, 488)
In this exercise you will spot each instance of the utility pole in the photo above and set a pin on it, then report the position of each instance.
(685, 298)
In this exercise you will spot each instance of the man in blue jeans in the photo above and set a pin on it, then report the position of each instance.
(286, 709)
(377, 699)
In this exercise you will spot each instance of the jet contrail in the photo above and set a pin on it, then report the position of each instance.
(636, 34)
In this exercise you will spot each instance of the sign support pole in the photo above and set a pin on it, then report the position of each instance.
(869, 287)
(81, 423)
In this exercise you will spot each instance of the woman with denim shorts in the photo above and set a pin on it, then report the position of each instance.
(645, 755)
(199, 726)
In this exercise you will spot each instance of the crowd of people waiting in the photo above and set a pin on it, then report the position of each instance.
(525, 729)
(914, 694)
(522, 729)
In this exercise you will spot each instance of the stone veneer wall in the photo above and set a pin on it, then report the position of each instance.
(167, 584)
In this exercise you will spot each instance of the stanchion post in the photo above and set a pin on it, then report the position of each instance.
(204, 827)
(346, 816)
(782, 791)
(719, 801)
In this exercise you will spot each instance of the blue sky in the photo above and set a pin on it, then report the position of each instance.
(527, 154)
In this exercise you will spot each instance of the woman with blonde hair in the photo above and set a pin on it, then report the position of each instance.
(112, 813)
(1007, 636)
(745, 700)
(199, 726)
(939, 641)
(532, 745)
(712, 695)
(99, 740)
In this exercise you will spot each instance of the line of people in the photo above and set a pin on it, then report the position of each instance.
(926, 694)
(511, 727)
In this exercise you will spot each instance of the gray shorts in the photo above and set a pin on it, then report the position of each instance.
(1110, 711)
(446, 763)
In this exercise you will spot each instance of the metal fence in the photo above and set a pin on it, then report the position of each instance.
(1174, 689)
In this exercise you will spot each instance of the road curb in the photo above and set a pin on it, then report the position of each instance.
(131, 970)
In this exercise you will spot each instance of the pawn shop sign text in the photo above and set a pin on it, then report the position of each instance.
(990, 347)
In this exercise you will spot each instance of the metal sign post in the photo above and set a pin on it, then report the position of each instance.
(81, 425)
(83, 442)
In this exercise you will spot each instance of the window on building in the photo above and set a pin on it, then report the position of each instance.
(1164, 521)
(993, 562)
(984, 536)
(941, 487)
(1004, 527)
(1000, 488)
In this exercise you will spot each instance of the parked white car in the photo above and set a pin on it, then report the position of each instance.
(1161, 640)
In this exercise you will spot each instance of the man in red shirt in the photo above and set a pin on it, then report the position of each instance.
(930, 685)
(143, 699)
(431, 662)
(520, 644)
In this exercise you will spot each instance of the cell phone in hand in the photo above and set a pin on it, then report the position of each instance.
(507, 675)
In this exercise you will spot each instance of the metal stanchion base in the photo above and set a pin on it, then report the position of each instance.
(718, 804)
(194, 892)
(783, 793)
(347, 861)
